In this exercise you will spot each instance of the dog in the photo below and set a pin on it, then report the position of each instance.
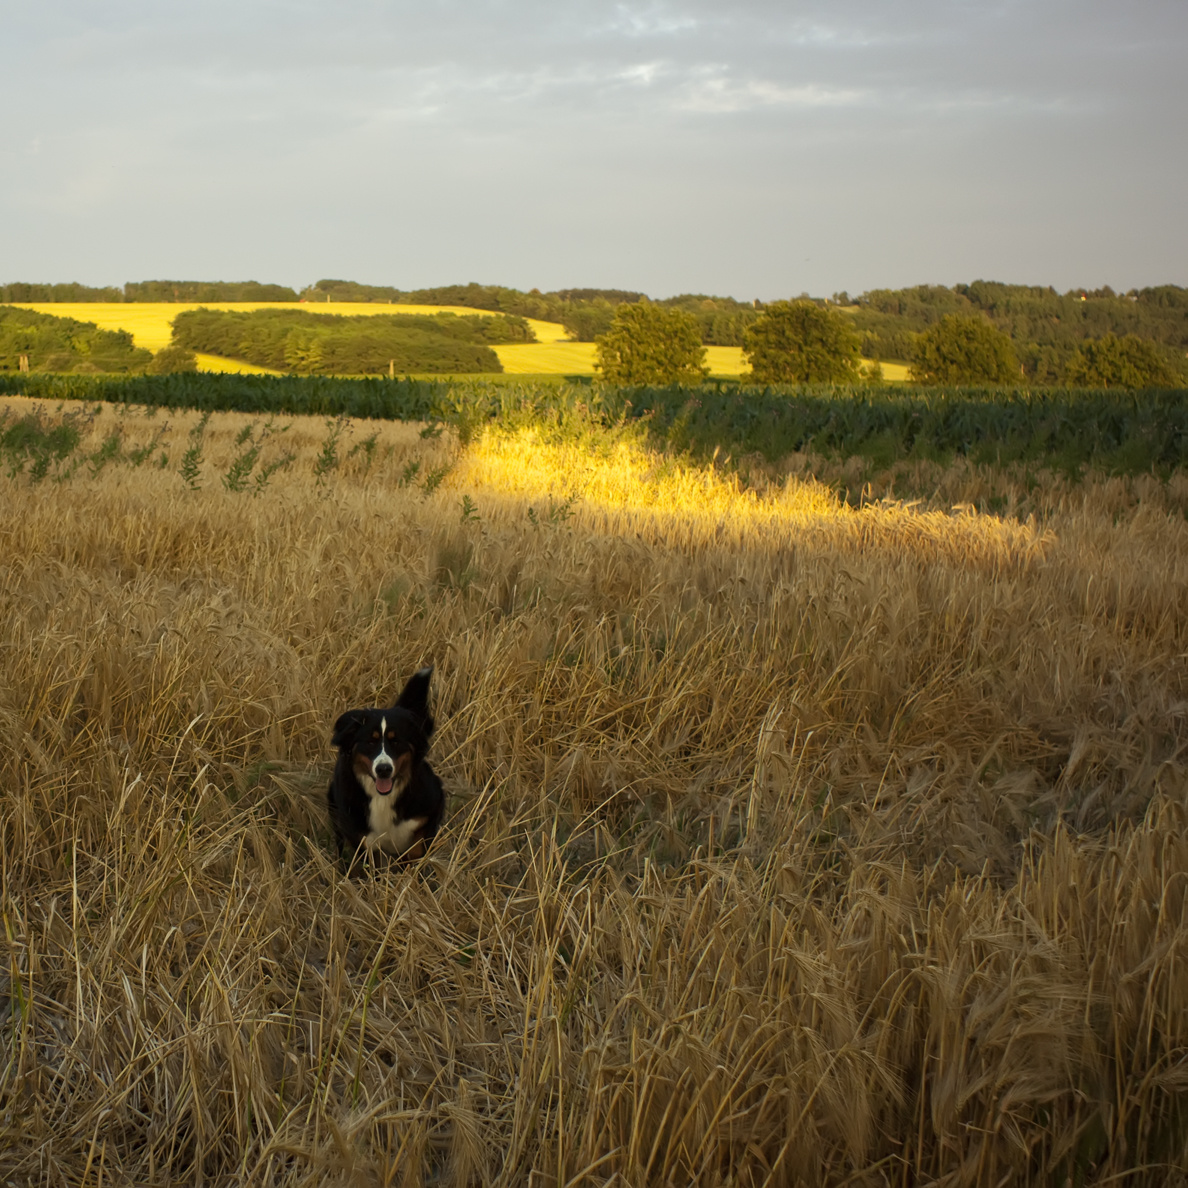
(384, 798)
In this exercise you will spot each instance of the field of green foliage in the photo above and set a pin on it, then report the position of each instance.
(1061, 429)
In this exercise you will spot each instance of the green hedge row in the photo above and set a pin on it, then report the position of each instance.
(1127, 432)
(372, 399)
(1124, 432)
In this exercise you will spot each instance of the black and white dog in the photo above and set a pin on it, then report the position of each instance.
(384, 797)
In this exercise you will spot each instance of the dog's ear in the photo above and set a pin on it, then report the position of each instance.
(346, 729)
(415, 699)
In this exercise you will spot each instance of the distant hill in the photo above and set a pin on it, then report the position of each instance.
(1046, 327)
(206, 291)
(153, 290)
(585, 313)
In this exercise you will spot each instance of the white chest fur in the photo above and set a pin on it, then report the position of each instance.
(387, 832)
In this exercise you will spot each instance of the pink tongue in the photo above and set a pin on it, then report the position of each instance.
(383, 787)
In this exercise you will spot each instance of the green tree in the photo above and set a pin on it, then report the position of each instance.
(303, 351)
(330, 344)
(800, 342)
(172, 360)
(1113, 362)
(648, 344)
(964, 349)
(64, 344)
(586, 322)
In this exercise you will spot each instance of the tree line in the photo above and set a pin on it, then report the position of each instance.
(153, 290)
(308, 343)
(37, 342)
(805, 342)
(1046, 328)
(585, 313)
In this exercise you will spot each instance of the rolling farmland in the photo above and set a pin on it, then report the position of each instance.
(150, 324)
(552, 354)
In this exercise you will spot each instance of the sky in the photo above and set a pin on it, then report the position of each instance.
(750, 148)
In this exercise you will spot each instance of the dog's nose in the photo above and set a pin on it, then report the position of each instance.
(383, 770)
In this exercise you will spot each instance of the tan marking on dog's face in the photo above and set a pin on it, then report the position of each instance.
(362, 766)
(365, 772)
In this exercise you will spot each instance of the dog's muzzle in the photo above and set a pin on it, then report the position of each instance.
(383, 778)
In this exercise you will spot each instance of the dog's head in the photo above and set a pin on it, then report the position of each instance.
(385, 745)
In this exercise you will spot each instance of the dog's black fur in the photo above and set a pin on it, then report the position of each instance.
(384, 797)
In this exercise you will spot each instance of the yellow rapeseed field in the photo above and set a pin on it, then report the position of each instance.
(789, 842)
(151, 323)
(559, 357)
(554, 353)
(547, 358)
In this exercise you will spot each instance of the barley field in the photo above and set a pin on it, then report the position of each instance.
(789, 842)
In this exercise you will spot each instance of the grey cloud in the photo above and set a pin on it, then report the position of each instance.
(808, 145)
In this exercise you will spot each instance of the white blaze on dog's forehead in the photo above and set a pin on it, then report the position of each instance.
(383, 754)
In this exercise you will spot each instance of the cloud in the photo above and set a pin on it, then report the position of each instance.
(926, 130)
(719, 93)
(651, 20)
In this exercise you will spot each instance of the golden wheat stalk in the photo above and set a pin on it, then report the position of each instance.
(789, 842)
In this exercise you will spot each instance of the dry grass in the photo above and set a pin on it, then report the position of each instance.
(788, 843)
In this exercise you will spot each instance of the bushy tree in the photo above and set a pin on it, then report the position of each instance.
(329, 344)
(964, 349)
(64, 344)
(166, 290)
(800, 342)
(173, 360)
(648, 344)
(1113, 362)
(586, 322)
